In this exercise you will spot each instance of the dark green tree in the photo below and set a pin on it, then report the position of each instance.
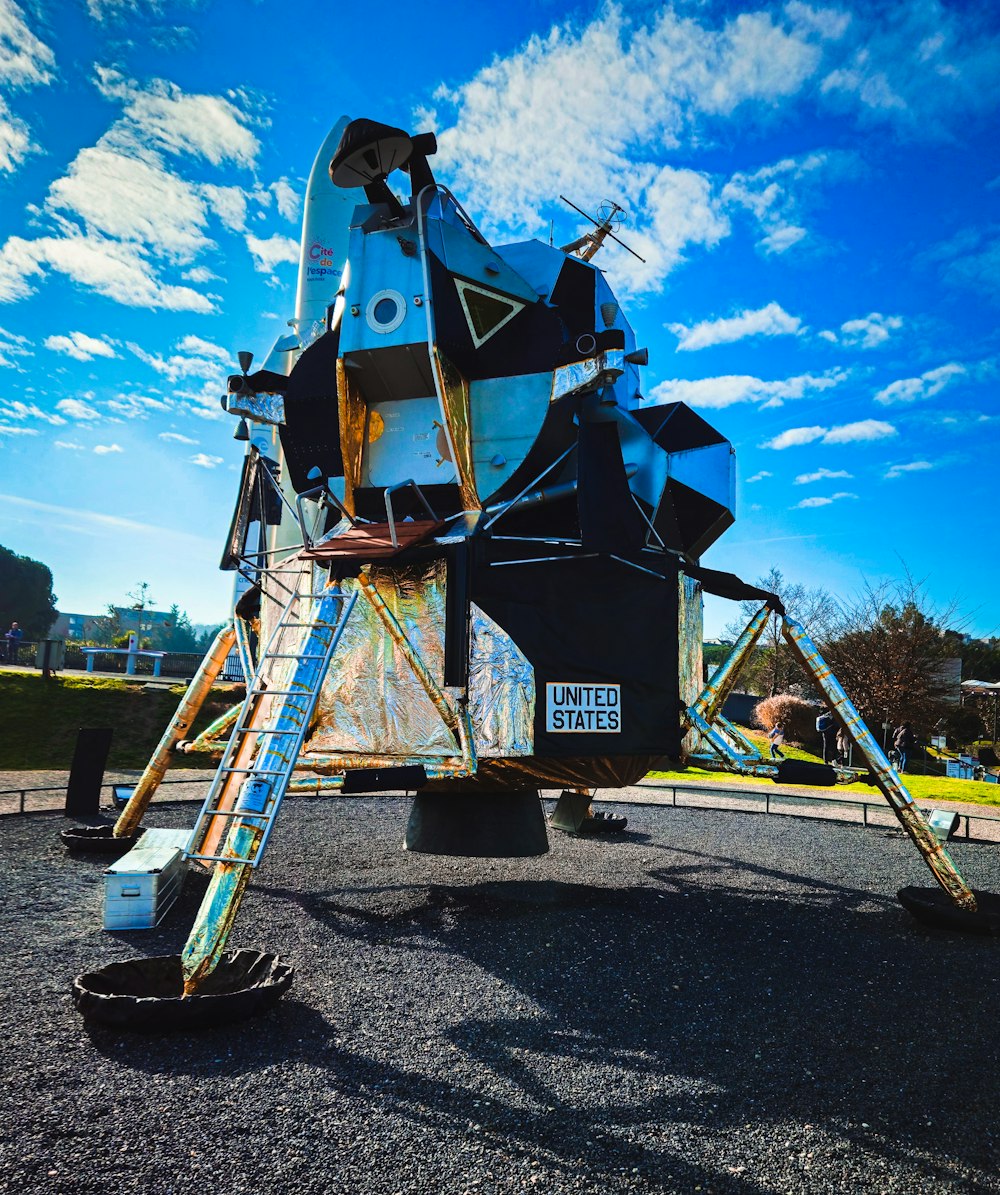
(26, 595)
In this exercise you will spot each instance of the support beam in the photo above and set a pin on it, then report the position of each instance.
(885, 776)
(187, 711)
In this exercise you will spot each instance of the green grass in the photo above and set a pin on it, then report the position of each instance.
(921, 788)
(39, 718)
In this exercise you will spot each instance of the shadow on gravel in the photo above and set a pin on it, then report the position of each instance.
(733, 996)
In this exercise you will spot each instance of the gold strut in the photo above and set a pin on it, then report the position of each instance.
(185, 714)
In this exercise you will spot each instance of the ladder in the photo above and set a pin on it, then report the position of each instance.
(238, 814)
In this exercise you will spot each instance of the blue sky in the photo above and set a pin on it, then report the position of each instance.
(815, 188)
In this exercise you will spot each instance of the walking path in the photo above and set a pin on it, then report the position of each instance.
(189, 784)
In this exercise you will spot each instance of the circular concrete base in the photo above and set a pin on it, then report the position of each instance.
(485, 825)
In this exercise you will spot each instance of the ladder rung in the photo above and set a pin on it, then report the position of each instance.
(254, 771)
(293, 656)
(223, 858)
(286, 625)
(265, 730)
(281, 692)
(267, 817)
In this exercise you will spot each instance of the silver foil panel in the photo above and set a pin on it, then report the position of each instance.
(588, 374)
(264, 408)
(690, 633)
(501, 691)
(371, 702)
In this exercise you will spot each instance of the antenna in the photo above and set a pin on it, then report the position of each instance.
(612, 215)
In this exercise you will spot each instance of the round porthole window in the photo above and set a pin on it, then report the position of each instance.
(386, 310)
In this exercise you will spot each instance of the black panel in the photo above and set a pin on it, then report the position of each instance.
(682, 429)
(700, 520)
(444, 499)
(804, 771)
(609, 520)
(593, 622)
(405, 778)
(456, 616)
(310, 436)
(530, 343)
(574, 296)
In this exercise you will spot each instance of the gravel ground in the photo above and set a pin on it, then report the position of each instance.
(711, 1002)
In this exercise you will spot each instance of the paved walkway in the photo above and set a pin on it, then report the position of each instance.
(189, 784)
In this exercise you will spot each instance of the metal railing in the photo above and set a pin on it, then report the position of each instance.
(22, 793)
(768, 799)
(724, 796)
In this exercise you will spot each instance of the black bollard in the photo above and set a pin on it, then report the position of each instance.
(86, 774)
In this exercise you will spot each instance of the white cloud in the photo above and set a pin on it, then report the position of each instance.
(14, 408)
(71, 445)
(104, 449)
(795, 436)
(268, 253)
(870, 332)
(286, 198)
(205, 461)
(919, 66)
(228, 203)
(11, 346)
(120, 213)
(808, 503)
(771, 320)
(525, 127)
(25, 61)
(7, 429)
(821, 475)
(74, 408)
(91, 522)
(728, 389)
(80, 346)
(845, 433)
(926, 386)
(177, 438)
(114, 269)
(864, 429)
(192, 358)
(775, 195)
(895, 471)
(162, 117)
(198, 347)
(971, 258)
(758, 477)
(137, 406)
(199, 274)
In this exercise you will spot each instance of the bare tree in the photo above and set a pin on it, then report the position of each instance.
(773, 668)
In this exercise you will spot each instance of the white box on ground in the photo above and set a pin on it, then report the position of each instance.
(142, 885)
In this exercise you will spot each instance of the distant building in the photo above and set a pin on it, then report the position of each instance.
(84, 627)
(74, 626)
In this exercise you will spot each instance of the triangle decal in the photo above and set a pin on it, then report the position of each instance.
(486, 312)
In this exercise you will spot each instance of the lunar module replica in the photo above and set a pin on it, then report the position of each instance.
(468, 546)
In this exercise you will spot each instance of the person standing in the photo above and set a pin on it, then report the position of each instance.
(904, 740)
(828, 729)
(776, 735)
(13, 638)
